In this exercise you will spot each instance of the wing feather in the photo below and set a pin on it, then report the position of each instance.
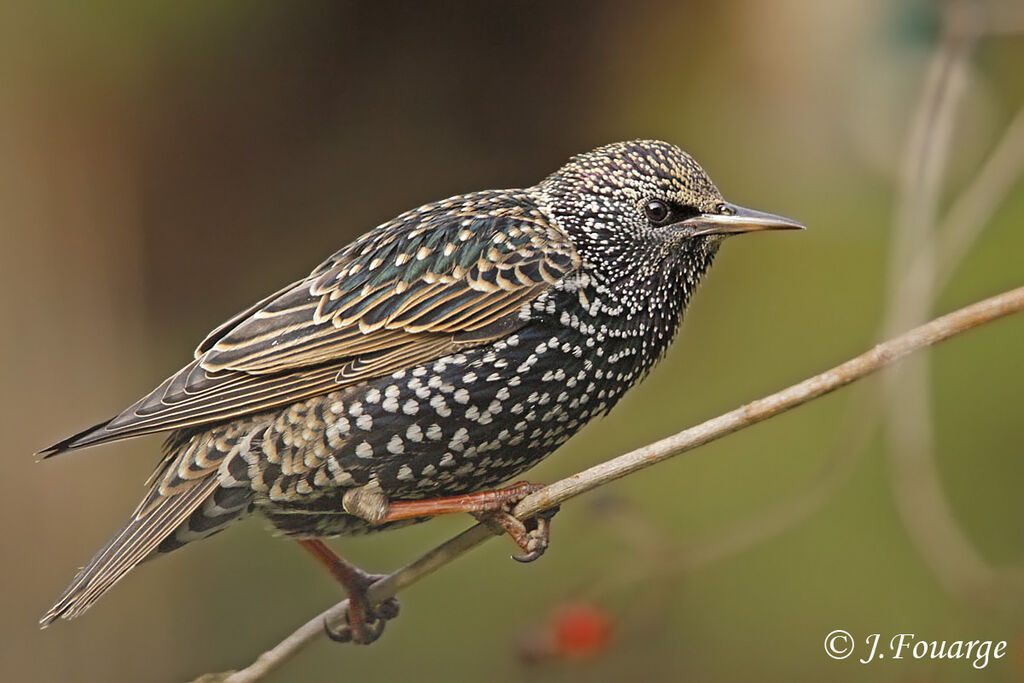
(432, 281)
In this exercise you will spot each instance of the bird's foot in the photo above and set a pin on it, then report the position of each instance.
(364, 621)
(532, 535)
(363, 624)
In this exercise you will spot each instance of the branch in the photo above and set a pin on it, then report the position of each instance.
(871, 361)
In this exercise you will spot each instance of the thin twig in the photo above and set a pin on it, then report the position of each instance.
(878, 357)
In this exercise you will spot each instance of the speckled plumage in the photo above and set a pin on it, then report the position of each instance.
(443, 352)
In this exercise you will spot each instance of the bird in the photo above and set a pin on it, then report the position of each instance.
(437, 356)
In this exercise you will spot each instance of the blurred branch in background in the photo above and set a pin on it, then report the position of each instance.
(871, 361)
(973, 209)
(915, 259)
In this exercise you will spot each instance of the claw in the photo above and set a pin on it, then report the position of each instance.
(387, 610)
(538, 537)
(370, 629)
(532, 536)
(342, 635)
(373, 633)
(528, 557)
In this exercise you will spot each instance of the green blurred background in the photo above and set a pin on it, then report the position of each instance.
(165, 164)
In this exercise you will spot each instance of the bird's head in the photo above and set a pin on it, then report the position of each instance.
(643, 211)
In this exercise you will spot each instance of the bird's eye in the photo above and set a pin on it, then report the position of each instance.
(657, 211)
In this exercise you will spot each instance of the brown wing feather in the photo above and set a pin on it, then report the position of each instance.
(232, 322)
(432, 281)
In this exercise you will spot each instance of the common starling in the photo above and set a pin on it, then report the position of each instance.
(438, 355)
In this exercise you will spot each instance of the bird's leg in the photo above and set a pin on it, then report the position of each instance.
(493, 507)
(365, 623)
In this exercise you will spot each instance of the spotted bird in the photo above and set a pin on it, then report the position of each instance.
(435, 357)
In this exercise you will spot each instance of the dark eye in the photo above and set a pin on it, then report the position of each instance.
(657, 211)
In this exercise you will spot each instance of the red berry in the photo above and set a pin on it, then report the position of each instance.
(581, 630)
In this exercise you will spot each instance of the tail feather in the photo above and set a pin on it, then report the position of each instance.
(153, 521)
(87, 437)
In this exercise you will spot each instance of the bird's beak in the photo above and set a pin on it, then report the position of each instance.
(733, 220)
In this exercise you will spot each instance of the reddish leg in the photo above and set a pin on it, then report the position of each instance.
(365, 624)
(484, 501)
(487, 506)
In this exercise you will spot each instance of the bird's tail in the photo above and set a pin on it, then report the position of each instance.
(156, 518)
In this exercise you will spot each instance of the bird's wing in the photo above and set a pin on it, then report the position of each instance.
(434, 280)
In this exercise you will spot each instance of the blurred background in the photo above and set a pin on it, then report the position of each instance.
(166, 164)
